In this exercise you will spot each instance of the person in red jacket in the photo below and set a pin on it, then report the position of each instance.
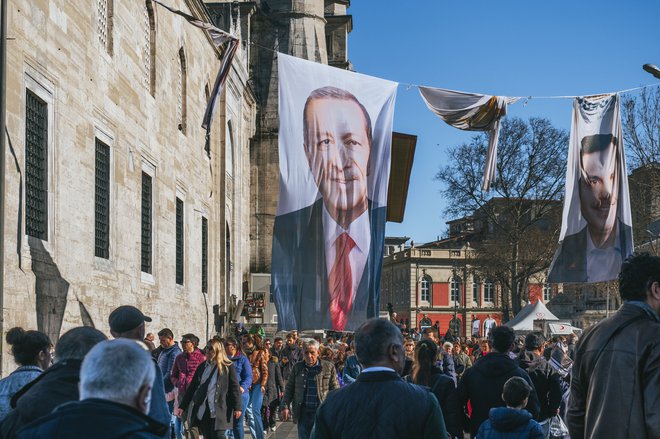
(185, 365)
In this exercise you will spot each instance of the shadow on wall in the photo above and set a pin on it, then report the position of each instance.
(50, 288)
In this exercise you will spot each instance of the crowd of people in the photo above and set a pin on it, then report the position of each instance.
(375, 383)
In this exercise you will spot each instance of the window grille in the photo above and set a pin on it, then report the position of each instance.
(205, 255)
(547, 292)
(36, 167)
(179, 242)
(475, 291)
(455, 289)
(102, 201)
(146, 244)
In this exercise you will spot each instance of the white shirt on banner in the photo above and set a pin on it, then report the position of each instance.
(602, 262)
(360, 232)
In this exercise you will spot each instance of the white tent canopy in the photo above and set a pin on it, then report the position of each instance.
(524, 320)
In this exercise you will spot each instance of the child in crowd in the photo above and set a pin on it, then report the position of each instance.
(512, 421)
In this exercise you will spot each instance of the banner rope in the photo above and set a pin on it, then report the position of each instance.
(409, 86)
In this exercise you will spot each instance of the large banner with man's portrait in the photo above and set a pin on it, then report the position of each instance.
(334, 153)
(596, 231)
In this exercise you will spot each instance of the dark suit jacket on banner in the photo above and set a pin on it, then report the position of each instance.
(300, 277)
(570, 264)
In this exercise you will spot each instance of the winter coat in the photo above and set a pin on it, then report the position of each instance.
(166, 363)
(243, 370)
(185, 365)
(380, 405)
(351, 370)
(444, 389)
(547, 383)
(293, 355)
(508, 423)
(462, 362)
(13, 383)
(618, 395)
(57, 385)
(92, 418)
(296, 386)
(227, 396)
(259, 362)
(482, 385)
(275, 384)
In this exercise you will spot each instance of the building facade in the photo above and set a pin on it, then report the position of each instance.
(112, 196)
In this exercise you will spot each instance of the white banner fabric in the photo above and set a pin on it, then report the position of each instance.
(335, 139)
(596, 231)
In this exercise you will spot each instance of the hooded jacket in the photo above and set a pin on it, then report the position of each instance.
(93, 418)
(547, 383)
(482, 385)
(508, 423)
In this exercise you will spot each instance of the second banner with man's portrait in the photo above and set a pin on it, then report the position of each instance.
(335, 139)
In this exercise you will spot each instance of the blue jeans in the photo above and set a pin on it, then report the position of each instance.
(237, 432)
(253, 412)
(306, 423)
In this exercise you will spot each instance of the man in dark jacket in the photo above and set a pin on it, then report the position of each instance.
(291, 354)
(615, 385)
(114, 398)
(57, 385)
(308, 385)
(547, 381)
(482, 384)
(380, 404)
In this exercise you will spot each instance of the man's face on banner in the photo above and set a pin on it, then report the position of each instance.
(599, 189)
(337, 147)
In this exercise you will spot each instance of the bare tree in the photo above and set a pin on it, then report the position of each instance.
(517, 222)
(641, 127)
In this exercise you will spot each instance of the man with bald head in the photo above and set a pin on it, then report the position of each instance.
(380, 403)
(595, 253)
(327, 256)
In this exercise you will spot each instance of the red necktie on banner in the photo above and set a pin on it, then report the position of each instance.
(340, 283)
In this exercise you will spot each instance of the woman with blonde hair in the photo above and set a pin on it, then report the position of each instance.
(214, 394)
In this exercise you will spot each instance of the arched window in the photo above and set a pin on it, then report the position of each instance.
(149, 48)
(489, 292)
(182, 110)
(425, 289)
(455, 290)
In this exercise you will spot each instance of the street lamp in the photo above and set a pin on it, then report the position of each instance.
(652, 69)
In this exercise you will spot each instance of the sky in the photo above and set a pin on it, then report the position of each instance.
(506, 48)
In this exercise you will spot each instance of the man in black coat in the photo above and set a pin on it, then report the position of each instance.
(379, 404)
(482, 384)
(547, 381)
(115, 393)
(57, 385)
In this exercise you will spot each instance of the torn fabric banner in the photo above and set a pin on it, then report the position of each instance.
(219, 37)
(596, 231)
(471, 112)
(335, 139)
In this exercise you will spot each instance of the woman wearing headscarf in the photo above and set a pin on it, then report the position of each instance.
(425, 372)
(214, 394)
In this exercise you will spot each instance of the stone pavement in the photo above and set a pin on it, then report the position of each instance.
(285, 430)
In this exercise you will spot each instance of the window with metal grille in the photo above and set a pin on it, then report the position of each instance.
(36, 167)
(146, 248)
(475, 290)
(205, 255)
(547, 292)
(179, 242)
(102, 201)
